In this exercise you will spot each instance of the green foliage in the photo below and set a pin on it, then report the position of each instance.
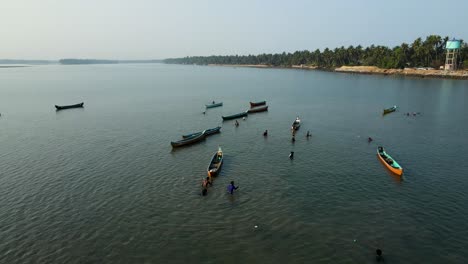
(421, 53)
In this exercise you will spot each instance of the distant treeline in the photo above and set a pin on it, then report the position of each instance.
(9, 61)
(94, 61)
(427, 53)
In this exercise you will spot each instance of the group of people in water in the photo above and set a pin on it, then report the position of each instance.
(209, 182)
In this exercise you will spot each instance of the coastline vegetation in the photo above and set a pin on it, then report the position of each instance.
(421, 53)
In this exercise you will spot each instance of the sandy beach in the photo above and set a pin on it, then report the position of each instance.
(460, 74)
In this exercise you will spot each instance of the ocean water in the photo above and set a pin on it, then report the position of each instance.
(102, 184)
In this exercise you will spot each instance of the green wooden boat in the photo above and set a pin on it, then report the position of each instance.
(235, 116)
(389, 110)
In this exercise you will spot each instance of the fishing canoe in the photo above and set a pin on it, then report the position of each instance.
(254, 104)
(258, 109)
(235, 116)
(188, 141)
(296, 124)
(215, 164)
(214, 105)
(389, 110)
(61, 107)
(389, 162)
(208, 132)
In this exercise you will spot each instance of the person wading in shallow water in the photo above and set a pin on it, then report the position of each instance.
(205, 184)
(265, 133)
(231, 187)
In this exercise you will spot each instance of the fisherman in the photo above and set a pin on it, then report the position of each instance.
(231, 187)
(213, 102)
(265, 133)
(308, 134)
(237, 123)
(205, 184)
(369, 140)
(291, 155)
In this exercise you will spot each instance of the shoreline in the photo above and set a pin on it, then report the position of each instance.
(373, 70)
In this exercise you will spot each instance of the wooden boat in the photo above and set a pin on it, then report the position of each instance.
(296, 124)
(258, 109)
(216, 163)
(254, 104)
(208, 132)
(235, 116)
(61, 107)
(214, 105)
(389, 110)
(389, 162)
(188, 141)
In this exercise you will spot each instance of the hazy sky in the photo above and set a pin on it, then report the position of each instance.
(146, 29)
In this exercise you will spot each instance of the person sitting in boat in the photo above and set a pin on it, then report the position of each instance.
(265, 133)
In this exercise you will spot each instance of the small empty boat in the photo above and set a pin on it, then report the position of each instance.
(254, 104)
(214, 105)
(389, 162)
(235, 116)
(215, 163)
(389, 110)
(188, 141)
(208, 132)
(258, 109)
(61, 107)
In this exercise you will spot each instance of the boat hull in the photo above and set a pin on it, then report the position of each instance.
(396, 170)
(214, 105)
(254, 104)
(62, 107)
(235, 116)
(296, 124)
(389, 110)
(258, 109)
(208, 132)
(215, 164)
(188, 141)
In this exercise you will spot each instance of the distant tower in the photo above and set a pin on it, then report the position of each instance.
(453, 48)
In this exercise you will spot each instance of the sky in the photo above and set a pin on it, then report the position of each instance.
(153, 29)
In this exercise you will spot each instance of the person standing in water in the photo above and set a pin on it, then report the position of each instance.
(265, 133)
(231, 187)
(308, 134)
(291, 155)
(205, 184)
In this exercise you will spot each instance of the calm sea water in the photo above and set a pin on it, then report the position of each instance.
(102, 184)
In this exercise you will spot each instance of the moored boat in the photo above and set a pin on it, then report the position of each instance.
(389, 162)
(258, 109)
(215, 163)
(389, 110)
(61, 107)
(214, 105)
(208, 132)
(296, 124)
(254, 104)
(188, 141)
(235, 116)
